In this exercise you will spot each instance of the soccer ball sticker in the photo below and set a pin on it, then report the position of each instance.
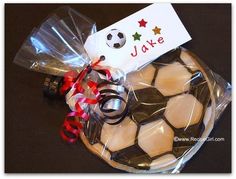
(115, 39)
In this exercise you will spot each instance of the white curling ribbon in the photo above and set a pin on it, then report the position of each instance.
(116, 104)
(71, 100)
(116, 74)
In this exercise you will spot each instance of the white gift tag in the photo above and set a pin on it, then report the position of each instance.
(139, 38)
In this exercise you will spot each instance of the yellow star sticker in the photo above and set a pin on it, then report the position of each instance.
(156, 30)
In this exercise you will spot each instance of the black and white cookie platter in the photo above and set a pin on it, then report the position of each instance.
(170, 106)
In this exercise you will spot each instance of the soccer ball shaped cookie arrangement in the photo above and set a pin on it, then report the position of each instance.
(170, 106)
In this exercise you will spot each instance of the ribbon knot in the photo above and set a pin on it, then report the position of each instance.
(89, 69)
(72, 124)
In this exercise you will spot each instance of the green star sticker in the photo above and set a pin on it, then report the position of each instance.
(137, 36)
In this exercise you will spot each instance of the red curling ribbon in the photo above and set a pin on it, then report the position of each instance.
(93, 86)
(73, 128)
(69, 79)
(73, 79)
(106, 71)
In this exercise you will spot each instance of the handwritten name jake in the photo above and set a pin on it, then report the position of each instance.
(149, 44)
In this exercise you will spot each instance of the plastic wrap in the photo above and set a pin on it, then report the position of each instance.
(173, 104)
(151, 120)
(56, 46)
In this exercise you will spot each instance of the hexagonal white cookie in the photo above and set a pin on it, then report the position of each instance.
(142, 78)
(117, 137)
(173, 79)
(156, 138)
(183, 110)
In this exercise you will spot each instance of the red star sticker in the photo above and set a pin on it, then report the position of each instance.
(142, 23)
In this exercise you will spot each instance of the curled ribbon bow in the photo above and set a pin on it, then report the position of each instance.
(72, 126)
